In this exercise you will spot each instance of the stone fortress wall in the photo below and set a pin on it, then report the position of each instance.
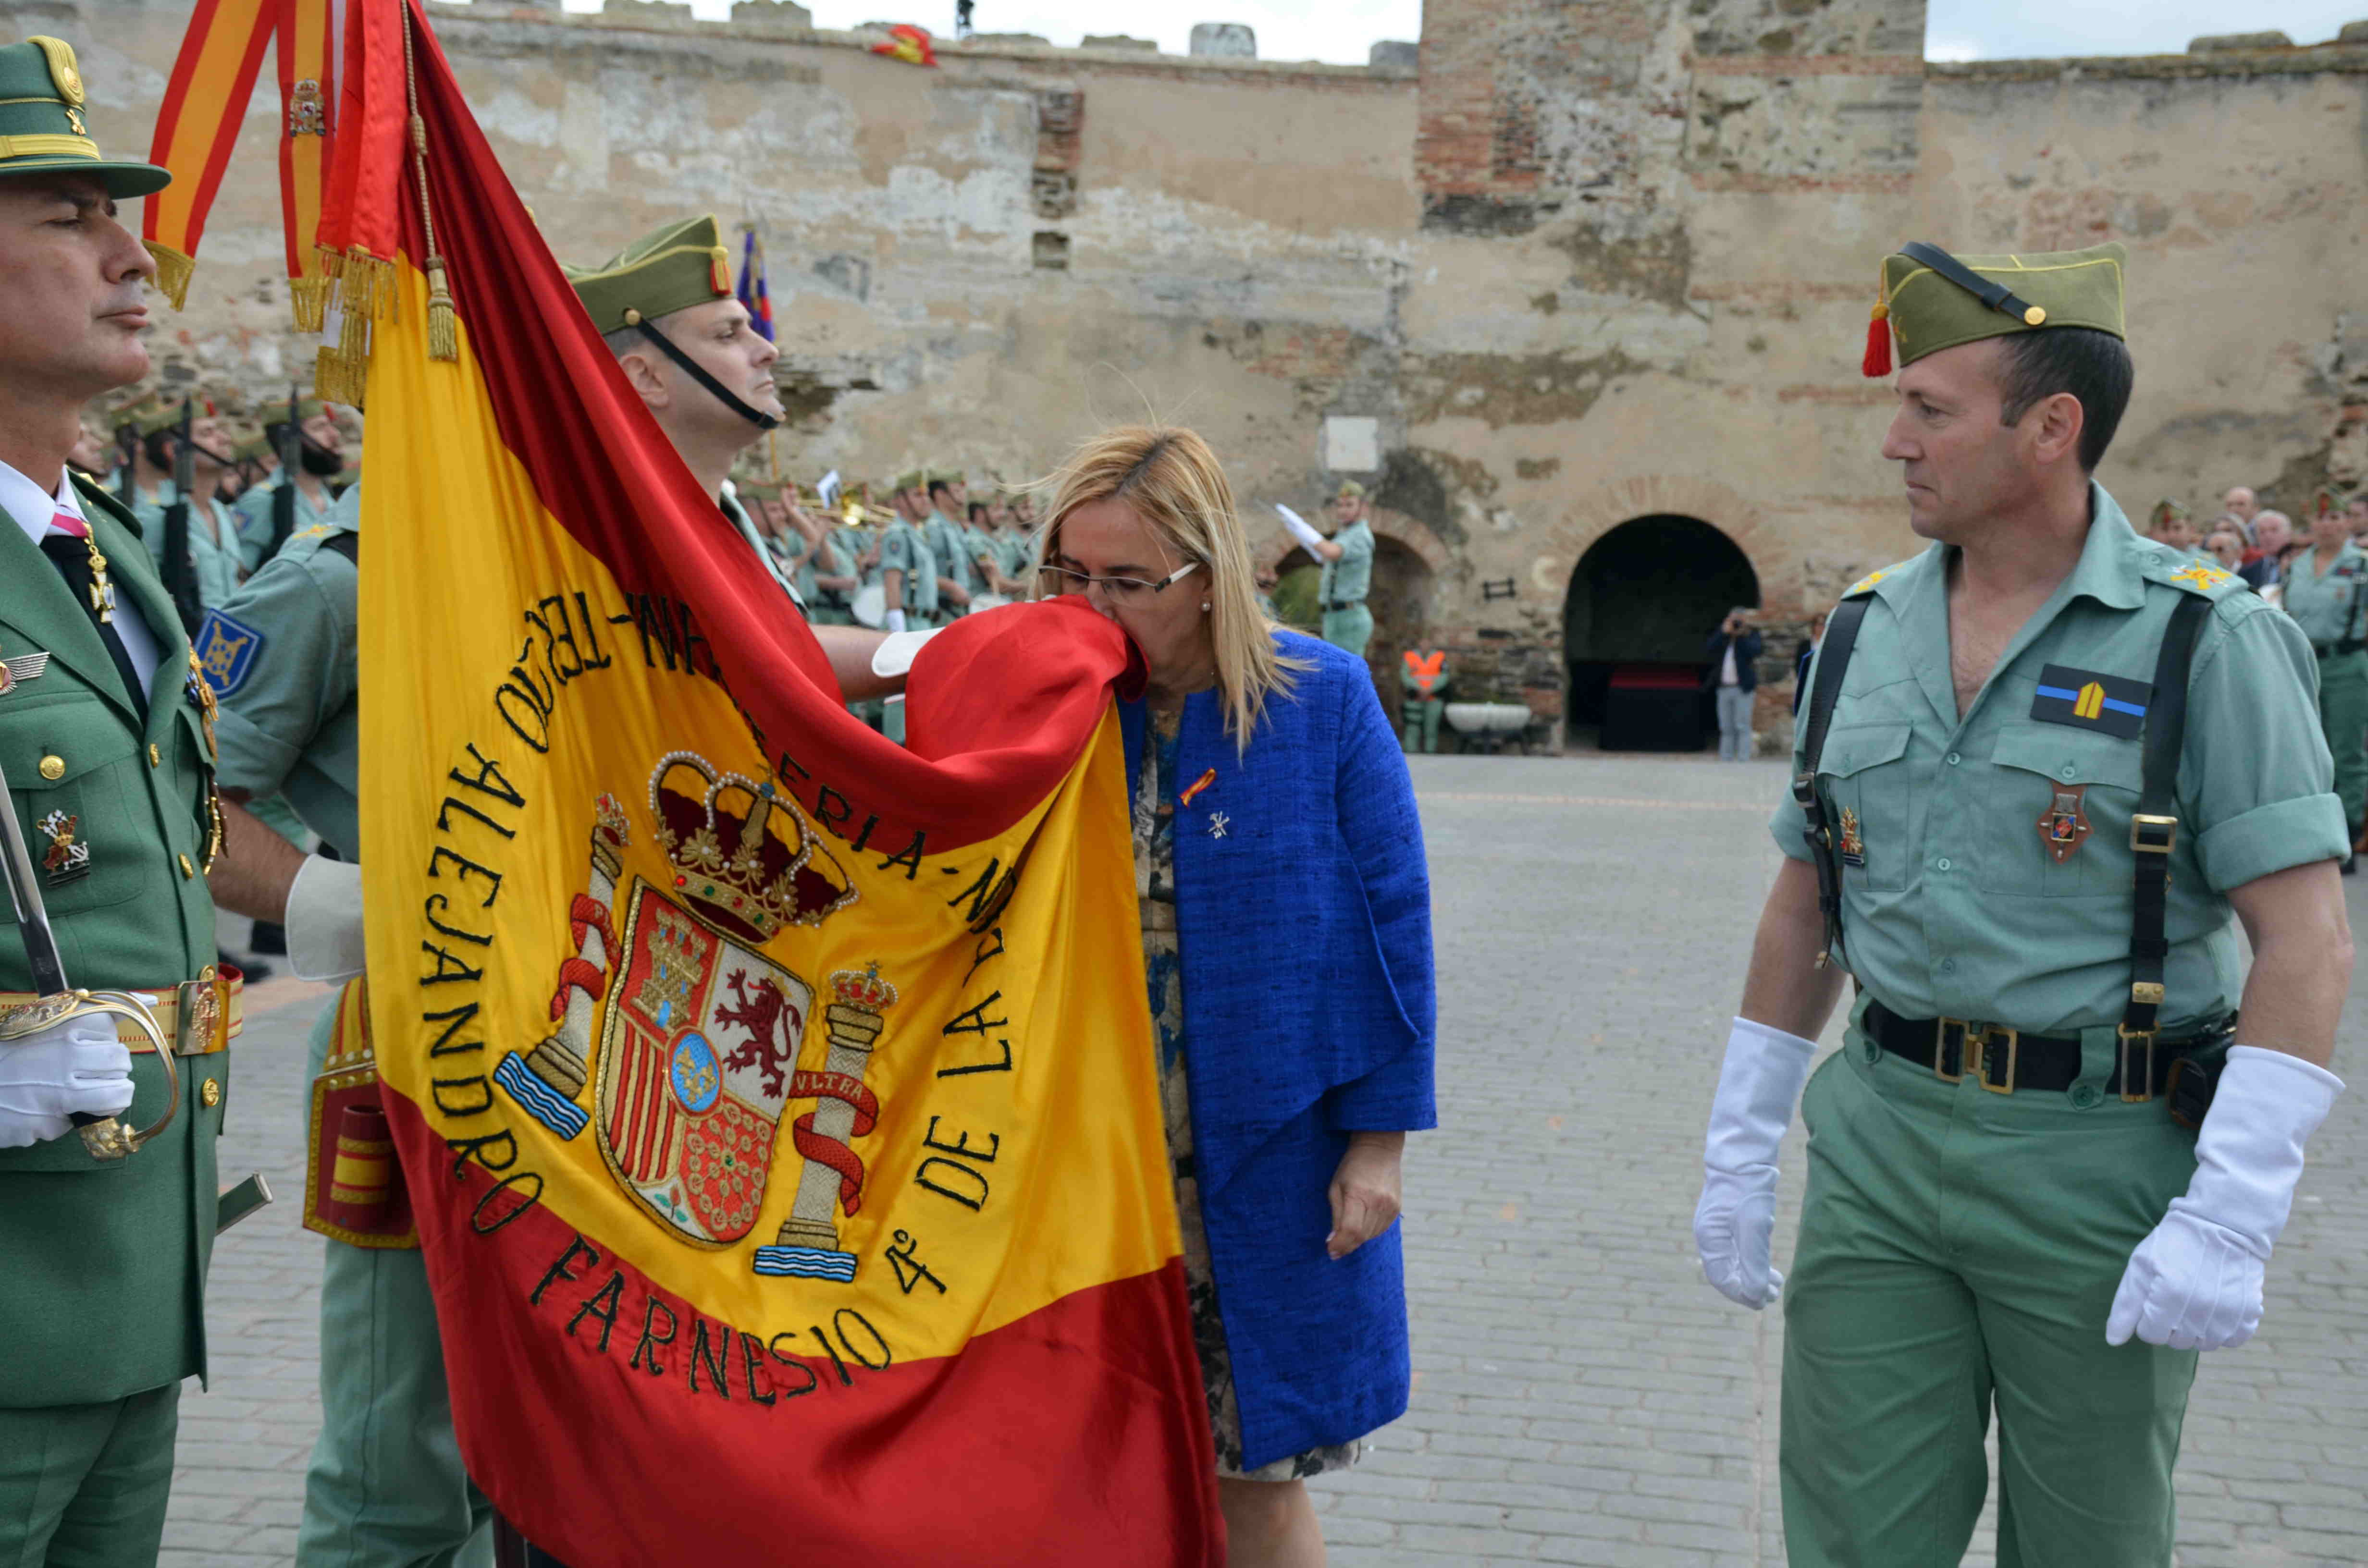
(1570, 267)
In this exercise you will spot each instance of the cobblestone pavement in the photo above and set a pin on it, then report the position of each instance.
(1581, 1397)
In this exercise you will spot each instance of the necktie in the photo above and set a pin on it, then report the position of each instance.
(69, 551)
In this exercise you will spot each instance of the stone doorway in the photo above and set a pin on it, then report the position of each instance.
(1400, 601)
(1644, 598)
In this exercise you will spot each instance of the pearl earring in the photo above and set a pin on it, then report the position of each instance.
(1205, 607)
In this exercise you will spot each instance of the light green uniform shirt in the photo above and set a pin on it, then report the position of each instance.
(1959, 911)
(290, 721)
(737, 516)
(952, 551)
(214, 557)
(2328, 606)
(253, 511)
(904, 549)
(1019, 551)
(979, 545)
(1348, 580)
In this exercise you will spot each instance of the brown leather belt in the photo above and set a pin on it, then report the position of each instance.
(200, 1016)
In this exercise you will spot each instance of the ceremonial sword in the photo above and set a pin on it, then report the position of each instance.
(105, 1137)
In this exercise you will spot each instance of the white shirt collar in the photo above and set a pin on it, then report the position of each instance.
(32, 507)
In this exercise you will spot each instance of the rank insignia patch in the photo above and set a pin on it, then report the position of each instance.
(1853, 846)
(225, 652)
(2063, 826)
(2088, 700)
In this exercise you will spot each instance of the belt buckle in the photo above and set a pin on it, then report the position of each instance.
(2128, 1034)
(1966, 1037)
(1981, 1053)
(199, 1014)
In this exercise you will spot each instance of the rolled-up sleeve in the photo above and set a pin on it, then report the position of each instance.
(2256, 778)
(1383, 835)
(301, 672)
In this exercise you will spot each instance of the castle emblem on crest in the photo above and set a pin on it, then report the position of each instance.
(701, 1030)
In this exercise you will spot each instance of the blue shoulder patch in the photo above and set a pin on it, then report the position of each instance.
(226, 651)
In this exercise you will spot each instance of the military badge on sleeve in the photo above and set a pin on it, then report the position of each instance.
(2063, 826)
(225, 652)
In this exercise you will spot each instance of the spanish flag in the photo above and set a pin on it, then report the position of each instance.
(778, 1105)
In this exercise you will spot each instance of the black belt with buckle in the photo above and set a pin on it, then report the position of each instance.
(2004, 1060)
(2337, 650)
(1342, 604)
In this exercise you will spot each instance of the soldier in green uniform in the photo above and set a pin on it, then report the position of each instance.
(215, 564)
(106, 741)
(2042, 762)
(908, 567)
(942, 530)
(1348, 562)
(2327, 594)
(276, 510)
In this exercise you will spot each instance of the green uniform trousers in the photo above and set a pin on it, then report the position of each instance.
(83, 1485)
(2343, 714)
(1959, 1251)
(386, 1488)
(1422, 723)
(1350, 629)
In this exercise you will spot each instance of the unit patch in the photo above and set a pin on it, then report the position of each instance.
(2086, 700)
(1853, 846)
(226, 651)
(2063, 826)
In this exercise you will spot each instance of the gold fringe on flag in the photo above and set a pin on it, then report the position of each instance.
(173, 272)
(443, 321)
(309, 298)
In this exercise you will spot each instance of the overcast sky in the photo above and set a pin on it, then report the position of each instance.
(1343, 31)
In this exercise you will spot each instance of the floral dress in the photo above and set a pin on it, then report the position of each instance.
(1156, 786)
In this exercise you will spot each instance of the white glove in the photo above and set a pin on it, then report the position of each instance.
(1298, 526)
(45, 1078)
(324, 920)
(2195, 1282)
(896, 620)
(1735, 1221)
(896, 652)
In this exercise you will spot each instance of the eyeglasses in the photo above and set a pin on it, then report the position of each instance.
(1122, 590)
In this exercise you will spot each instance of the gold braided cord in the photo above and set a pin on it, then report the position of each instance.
(443, 321)
(174, 271)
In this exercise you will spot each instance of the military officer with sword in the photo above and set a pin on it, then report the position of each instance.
(107, 825)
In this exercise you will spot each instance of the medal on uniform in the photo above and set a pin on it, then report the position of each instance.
(67, 859)
(102, 588)
(2062, 826)
(1853, 847)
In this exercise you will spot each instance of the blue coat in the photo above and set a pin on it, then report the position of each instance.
(1304, 936)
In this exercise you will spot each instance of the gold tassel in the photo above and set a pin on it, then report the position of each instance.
(172, 273)
(309, 298)
(443, 323)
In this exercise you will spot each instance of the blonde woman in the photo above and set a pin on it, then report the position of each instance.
(1286, 936)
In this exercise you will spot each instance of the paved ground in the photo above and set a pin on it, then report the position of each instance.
(1580, 1396)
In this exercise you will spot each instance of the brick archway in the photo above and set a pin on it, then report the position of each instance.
(1596, 511)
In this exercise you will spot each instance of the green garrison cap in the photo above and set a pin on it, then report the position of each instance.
(160, 411)
(2167, 509)
(42, 126)
(1933, 300)
(947, 476)
(677, 266)
(1349, 491)
(915, 478)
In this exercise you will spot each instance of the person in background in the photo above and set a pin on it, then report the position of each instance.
(2242, 504)
(1347, 558)
(93, 457)
(273, 511)
(2327, 594)
(1733, 651)
(2272, 539)
(941, 528)
(2355, 517)
(2171, 524)
(2227, 546)
(214, 564)
(1287, 1107)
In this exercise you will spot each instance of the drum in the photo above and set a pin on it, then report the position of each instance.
(871, 607)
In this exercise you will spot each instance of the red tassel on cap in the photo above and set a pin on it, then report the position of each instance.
(1878, 343)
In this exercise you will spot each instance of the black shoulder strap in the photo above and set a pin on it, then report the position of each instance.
(1833, 658)
(2153, 833)
(346, 544)
(179, 574)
